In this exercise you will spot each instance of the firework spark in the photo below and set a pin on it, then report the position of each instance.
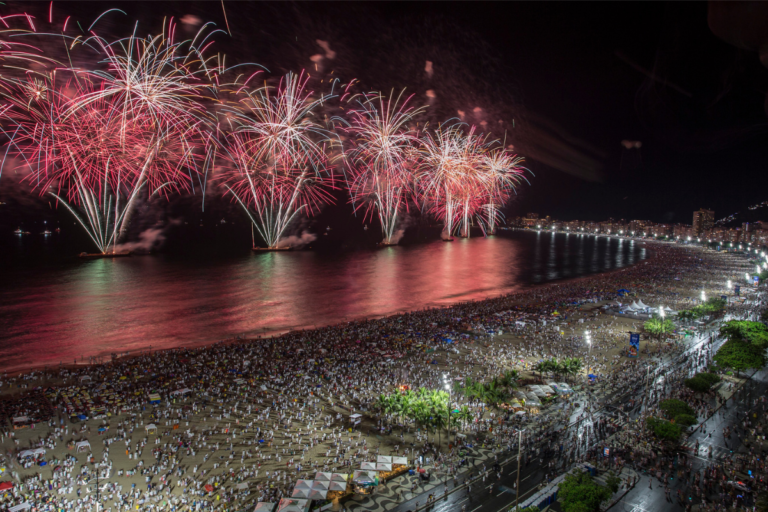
(381, 164)
(277, 157)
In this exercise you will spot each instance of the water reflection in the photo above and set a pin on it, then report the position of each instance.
(84, 308)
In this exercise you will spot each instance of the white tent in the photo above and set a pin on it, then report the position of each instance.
(382, 466)
(303, 484)
(20, 419)
(400, 460)
(150, 427)
(31, 453)
(386, 459)
(300, 493)
(182, 391)
(242, 486)
(82, 446)
(640, 304)
(339, 477)
(263, 506)
(338, 486)
(19, 508)
(293, 505)
(368, 466)
(85, 377)
(318, 495)
(323, 477)
(320, 486)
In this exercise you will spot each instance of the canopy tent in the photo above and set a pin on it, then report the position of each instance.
(151, 427)
(365, 477)
(300, 493)
(293, 505)
(4, 486)
(383, 466)
(368, 466)
(640, 304)
(323, 477)
(318, 495)
(386, 459)
(403, 461)
(20, 508)
(263, 506)
(154, 398)
(82, 446)
(320, 486)
(182, 391)
(303, 484)
(242, 486)
(20, 419)
(31, 453)
(338, 486)
(355, 416)
(339, 477)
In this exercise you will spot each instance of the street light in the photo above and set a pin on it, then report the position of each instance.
(703, 296)
(519, 447)
(450, 395)
(661, 312)
(729, 284)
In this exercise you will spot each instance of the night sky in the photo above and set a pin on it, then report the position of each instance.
(565, 83)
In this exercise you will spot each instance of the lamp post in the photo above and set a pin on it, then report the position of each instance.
(519, 448)
(450, 396)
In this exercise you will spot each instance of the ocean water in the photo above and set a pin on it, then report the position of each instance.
(67, 309)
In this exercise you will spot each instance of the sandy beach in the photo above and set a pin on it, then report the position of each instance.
(221, 427)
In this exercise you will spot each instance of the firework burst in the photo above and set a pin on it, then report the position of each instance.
(381, 163)
(278, 166)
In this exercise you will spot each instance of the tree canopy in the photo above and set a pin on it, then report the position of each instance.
(755, 333)
(664, 430)
(579, 493)
(658, 326)
(739, 356)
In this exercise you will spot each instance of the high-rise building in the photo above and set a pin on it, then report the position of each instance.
(702, 221)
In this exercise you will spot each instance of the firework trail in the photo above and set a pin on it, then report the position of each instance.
(465, 177)
(449, 174)
(503, 172)
(381, 164)
(96, 139)
(277, 157)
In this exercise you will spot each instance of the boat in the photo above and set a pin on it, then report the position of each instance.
(46, 232)
(271, 249)
(18, 232)
(93, 256)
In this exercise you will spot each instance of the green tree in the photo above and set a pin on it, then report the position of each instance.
(674, 407)
(755, 333)
(685, 420)
(659, 327)
(579, 493)
(739, 356)
(686, 315)
(697, 384)
(663, 429)
(612, 481)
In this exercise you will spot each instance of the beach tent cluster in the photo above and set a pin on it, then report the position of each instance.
(639, 307)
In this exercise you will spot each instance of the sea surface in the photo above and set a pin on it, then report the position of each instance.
(69, 310)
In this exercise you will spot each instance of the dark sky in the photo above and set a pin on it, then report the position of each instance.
(568, 81)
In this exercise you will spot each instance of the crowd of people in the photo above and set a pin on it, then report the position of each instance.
(184, 429)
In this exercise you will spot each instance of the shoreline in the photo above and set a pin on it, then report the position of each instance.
(272, 334)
